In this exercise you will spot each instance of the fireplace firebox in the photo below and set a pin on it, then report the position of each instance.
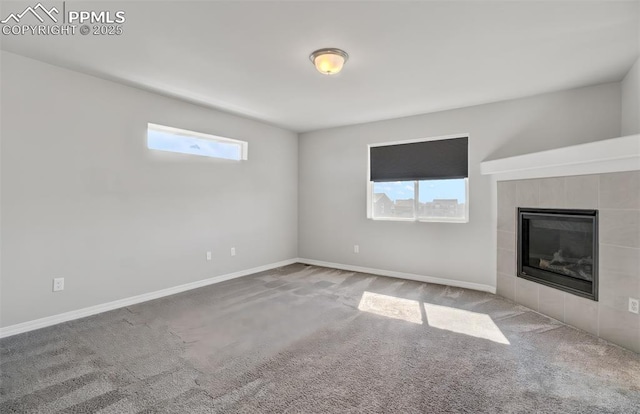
(559, 248)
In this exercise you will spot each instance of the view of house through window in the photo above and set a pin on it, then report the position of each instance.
(163, 138)
(426, 199)
(424, 180)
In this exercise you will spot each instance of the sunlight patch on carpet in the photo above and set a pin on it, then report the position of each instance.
(465, 322)
(391, 307)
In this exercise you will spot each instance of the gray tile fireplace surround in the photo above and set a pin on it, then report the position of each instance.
(617, 198)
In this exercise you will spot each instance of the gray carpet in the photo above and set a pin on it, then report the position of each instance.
(304, 339)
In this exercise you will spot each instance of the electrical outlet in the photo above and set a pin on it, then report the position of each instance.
(58, 284)
(634, 305)
(208, 255)
(233, 251)
(356, 248)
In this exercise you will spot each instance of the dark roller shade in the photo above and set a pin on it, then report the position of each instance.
(429, 160)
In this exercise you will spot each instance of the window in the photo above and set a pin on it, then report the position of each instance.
(163, 138)
(424, 180)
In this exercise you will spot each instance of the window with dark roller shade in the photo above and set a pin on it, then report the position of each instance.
(428, 160)
(419, 180)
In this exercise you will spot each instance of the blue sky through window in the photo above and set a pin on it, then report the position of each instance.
(442, 189)
(429, 190)
(185, 144)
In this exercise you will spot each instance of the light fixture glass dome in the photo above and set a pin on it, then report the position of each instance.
(329, 61)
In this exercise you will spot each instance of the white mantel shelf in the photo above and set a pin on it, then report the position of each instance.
(609, 155)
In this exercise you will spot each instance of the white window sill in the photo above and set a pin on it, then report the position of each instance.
(423, 219)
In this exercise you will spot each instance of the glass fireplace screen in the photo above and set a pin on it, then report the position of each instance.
(559, 248)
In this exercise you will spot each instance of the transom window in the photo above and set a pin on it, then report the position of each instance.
(425, 180)
(182, 141)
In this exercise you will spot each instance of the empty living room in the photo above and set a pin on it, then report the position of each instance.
(320, 206)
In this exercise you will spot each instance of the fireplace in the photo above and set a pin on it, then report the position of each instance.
(559, 248)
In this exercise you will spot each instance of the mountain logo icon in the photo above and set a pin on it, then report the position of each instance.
(35, 12)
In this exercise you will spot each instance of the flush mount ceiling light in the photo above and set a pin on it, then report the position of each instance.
(329, 61)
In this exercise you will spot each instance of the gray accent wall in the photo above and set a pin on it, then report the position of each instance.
(333, 181)
(617, 197)
(84, 199)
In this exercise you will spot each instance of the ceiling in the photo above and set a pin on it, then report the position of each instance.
(406, 58)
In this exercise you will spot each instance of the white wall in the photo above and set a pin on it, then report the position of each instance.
(83, 199)
(631, 101)
(332, 181)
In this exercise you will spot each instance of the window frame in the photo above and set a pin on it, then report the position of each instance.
(416, 194)
(244, 146)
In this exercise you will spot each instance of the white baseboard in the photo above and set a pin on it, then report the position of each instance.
(402, 275)
(104, 307)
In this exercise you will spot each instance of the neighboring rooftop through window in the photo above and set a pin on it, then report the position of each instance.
(420, 180)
